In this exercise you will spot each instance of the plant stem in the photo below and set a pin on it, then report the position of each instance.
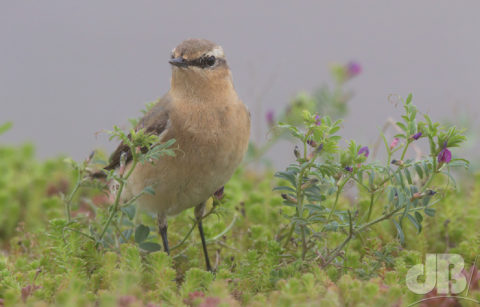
(117, 197)
(435, 171)
(79, 232)
(339, 248)
(337, 196)
(383, 217)
(68, 202)
(191, 229)
(300, 197)
(405, 150)
(372, 196)
(289, 236)
(184, 238)
(300, 211)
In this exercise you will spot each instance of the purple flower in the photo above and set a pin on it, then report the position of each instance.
(349, 169)
(270, 117)
(364, 150)
(444, 156)
(318, 120)
(417, 135)
(353, 69)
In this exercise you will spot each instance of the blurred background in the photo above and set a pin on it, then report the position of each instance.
(70, 69)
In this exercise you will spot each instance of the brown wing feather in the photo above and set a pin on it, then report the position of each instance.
(154, 122)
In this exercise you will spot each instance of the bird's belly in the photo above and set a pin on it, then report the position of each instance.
(201, 166)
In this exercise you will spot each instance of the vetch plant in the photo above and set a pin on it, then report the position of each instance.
(143, 148)
(324, 100)
(399, 190)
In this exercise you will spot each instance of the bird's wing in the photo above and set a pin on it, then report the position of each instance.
(154, 122)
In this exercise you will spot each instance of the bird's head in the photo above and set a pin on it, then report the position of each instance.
(199, 64)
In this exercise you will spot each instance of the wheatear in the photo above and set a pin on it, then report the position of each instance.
(211, 126)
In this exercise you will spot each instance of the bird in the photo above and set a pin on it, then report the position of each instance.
(211, 127)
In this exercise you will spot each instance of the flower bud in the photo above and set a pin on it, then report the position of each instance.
(416, 136)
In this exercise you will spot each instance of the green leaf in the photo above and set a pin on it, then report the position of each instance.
(415, 222)
(391, 194)
(400, 234)
(150, 246)
(5, 127)
(314, 208)
(407, 175)
(401, 198)
(409, 98)
(426, 168)
(418, 216)
(459, 162)
(402, 126)
(334, 129)
(429, 211)
(360, 176)
(335, 138)
(287, 176)
(284, 188)
(127, 234)
(149, 190)
(426, 200)
(371, 178)
(450, 177)
(129, 211)
(419, 171)
(399, 179)
(141, 233)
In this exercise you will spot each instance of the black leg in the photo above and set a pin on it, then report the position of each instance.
(204, 244)
(162, 229)
(199, 211)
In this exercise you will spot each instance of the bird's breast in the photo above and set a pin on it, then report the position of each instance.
(214, 136)
(211, 141)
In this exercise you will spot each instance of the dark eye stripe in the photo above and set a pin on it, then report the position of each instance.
(205, 62)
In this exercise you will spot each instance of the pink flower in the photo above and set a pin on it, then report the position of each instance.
(394, 143)
(318, 120)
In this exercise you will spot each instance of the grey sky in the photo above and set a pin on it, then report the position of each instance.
(71, 68)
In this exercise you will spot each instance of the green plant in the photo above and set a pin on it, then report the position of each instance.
(401, 189)
(141, 147)
(324, 100)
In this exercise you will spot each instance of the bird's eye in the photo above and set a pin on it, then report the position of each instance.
(210, 61)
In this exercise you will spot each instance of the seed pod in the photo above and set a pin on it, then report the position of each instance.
(289, 198)
(296, 152)
(397, 162)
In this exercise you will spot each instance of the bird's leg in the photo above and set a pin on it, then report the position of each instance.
(162, 229)
(199, 211)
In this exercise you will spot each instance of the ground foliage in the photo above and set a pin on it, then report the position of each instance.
(66, 244)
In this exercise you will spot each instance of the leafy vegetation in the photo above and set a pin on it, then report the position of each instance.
(336, 228)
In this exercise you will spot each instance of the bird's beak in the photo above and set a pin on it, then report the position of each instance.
(179, 62)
